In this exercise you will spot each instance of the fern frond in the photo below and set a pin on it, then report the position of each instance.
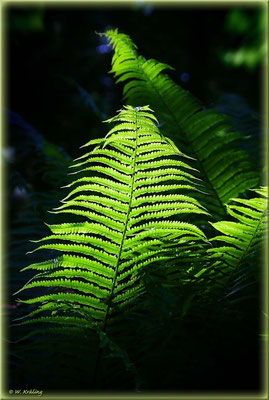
(203, 134)
(243, 237)
(131, 201)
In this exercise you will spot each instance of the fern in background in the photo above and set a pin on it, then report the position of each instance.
(205, 135)
(246, 121)
(33, 162)
(36, 169)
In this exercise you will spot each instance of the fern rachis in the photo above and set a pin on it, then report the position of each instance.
(131, 198)
(206, 135)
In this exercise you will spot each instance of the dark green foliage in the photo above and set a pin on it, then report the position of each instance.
(34, 163)
(252, 51)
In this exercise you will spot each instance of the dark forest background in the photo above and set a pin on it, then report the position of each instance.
(57, 66)
(58, 90)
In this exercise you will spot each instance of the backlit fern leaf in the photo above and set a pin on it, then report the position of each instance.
(206, 135)
(243, 238)
(129, 201)
(237, 258)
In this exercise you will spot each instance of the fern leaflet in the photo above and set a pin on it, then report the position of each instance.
(242, 238)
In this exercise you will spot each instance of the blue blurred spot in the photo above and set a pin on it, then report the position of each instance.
(9, 154)
(106, 81)
(148, 10)
(185, 77)
(103, 49)
(19, 193)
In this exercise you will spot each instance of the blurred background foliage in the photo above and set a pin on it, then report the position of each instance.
(58, 91)
(250, 29)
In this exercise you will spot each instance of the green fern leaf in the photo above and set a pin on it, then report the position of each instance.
(131, 201)
(205, 135)
(243, 237)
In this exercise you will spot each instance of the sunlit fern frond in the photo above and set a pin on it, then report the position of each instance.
(128, 198)
(244, 237)
(203, 134)
(238, 255)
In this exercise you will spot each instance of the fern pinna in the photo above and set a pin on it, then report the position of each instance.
(237, 250)
(233, 262)
(203, 134)
(130, 199)
(245, 236)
